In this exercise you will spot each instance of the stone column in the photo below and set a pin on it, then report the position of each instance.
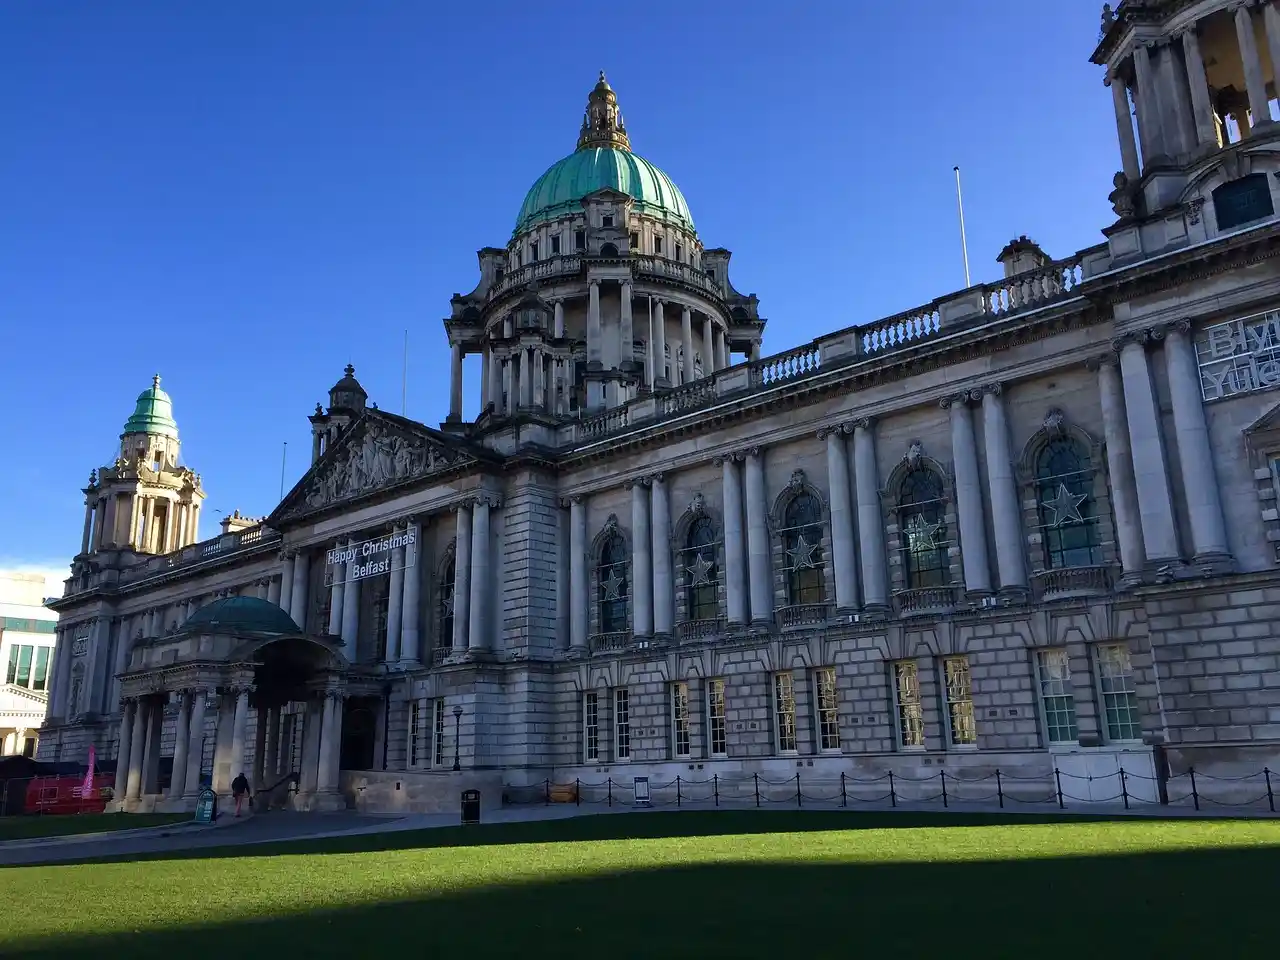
(708, 347)
(1254, 83)
(239, 726)
(558, 321)
(409, 614)
(973, 532)
(686, 342)
(1149, 129)
(761, 591)
(539, 380)
(298, 595)
(259, 747)
(1120, 468)
(109, 535)
(871, 554)
(336, 593)
(124, 643)
(195, 745)
(461, 576)
(1124, 127)
(181, 743)
(577, 574)
(1271, 21)
(495, 381)
(273, 590)
(642, 580)
(455, 381)
(137, 745)
(526, 380)
(664, 613)
(88, 525)
(842, 550)
(1003, 491)
(660, 378)
(481, 589)
(594, 334)
(755, 351)
(127, 711)
(350, 614)
(486, 361)
(151, 749)
(395, 599)
(1155, 499)
(627, 337)
(271, 760)
(734, 567)
(326, 768)
(1195, 453)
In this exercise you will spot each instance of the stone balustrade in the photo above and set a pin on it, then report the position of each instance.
(1035, 287)
(800, 362)
(1064, 583)
(803, 615)
(690, 631)
(925, 601)
(609, 642)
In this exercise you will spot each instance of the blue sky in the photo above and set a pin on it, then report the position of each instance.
(245, 196)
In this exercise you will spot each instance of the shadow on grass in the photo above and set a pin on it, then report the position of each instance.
(1187, 904)
(621, 826)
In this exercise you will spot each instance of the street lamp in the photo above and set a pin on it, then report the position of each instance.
(457, 719)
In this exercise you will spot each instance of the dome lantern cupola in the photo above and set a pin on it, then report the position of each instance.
(153, 413)
(603, 125)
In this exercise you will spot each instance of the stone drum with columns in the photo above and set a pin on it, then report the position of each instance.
(1030, 525)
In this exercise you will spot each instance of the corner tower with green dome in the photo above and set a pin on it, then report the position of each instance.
(605, 294)
(144, 501)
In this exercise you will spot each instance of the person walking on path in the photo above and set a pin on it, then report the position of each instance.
(239, 790)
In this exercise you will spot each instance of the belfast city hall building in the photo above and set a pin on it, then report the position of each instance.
(1030, 526)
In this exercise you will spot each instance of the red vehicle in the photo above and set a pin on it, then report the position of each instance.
(63, 794)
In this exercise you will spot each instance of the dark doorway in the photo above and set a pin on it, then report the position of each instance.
(359, 731)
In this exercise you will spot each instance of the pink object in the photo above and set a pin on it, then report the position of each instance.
(86, 791)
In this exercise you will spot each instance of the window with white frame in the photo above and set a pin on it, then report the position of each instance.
(961, 730)
(1057, 703)
(1118, 691)
(784, 711)
(680, 719)
(590, 727)
(907, 704)
(621, 724)
(415, 732)
(717, 741)
(827, 708)
(437, 734)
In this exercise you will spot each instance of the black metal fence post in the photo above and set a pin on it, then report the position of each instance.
(999, 789)
(844, 802)
(756, 778)
(1271, 800)
(1195, 794)
(1124, 788)
(610, 782)
(715, 786)
(546, 792)
(893, 797)
(577, 792)
(678, 798)
(943, 774)
(799, 799)
(1057, 779)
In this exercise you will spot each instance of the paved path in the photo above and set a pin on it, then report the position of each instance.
(279, 826)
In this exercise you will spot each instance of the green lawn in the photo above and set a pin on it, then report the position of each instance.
(26, 828)
(713, 884)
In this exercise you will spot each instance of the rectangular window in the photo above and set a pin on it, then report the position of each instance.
(680, 719)
(580, 240)
(415, 718)
(40, 679)
(784, 710)
(657, 245)
(906, 695)
(960, 725)
(621, 725)
(11, 672)
(437, 735)
(716, 740)
(533, 250)
(24, 665)
(606, 221)
(1057, 703)
(555, 245)
(635, 242)
(590, 727)
(679, 252)
(1119, 695)
(828, 708)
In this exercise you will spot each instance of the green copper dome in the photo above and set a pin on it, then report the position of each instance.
(240, 615)
(153, 413)
(603, 160)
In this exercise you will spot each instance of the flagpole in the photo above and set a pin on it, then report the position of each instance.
(404, 379)
(284, 458)
(964, 244)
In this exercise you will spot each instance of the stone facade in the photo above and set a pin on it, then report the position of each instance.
(1029, 526)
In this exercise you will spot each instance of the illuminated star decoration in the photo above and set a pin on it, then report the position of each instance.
(447, 604)
(701, 571)
(1066, 506)
(613, 586)
(921, 532)
(802, 554)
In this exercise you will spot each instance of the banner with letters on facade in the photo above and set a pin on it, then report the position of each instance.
(1239, 356)
(371, 558)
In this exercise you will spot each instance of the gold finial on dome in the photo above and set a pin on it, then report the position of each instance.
(602, 126)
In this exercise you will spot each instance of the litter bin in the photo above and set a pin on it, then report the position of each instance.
(470, 806)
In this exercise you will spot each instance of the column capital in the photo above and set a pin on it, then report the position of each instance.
(864, 423)
(1177, 327)
(572, 500)
(752, 452)
(1095, 363)
(656, 478)
(995, 389)
(636, 482)
(1139, 337)
(731, 457)
(487, 498)
(959, 399)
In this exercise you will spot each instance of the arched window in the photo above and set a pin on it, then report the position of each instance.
(920, 515)
(701, 570)
(444, 616)
(77, 687)
(802, 544)
(1064, 494)
(614, 594)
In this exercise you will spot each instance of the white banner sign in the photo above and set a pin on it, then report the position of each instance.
(1240, 356)
(371, 558)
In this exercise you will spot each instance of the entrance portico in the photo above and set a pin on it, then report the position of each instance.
(249, 693)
